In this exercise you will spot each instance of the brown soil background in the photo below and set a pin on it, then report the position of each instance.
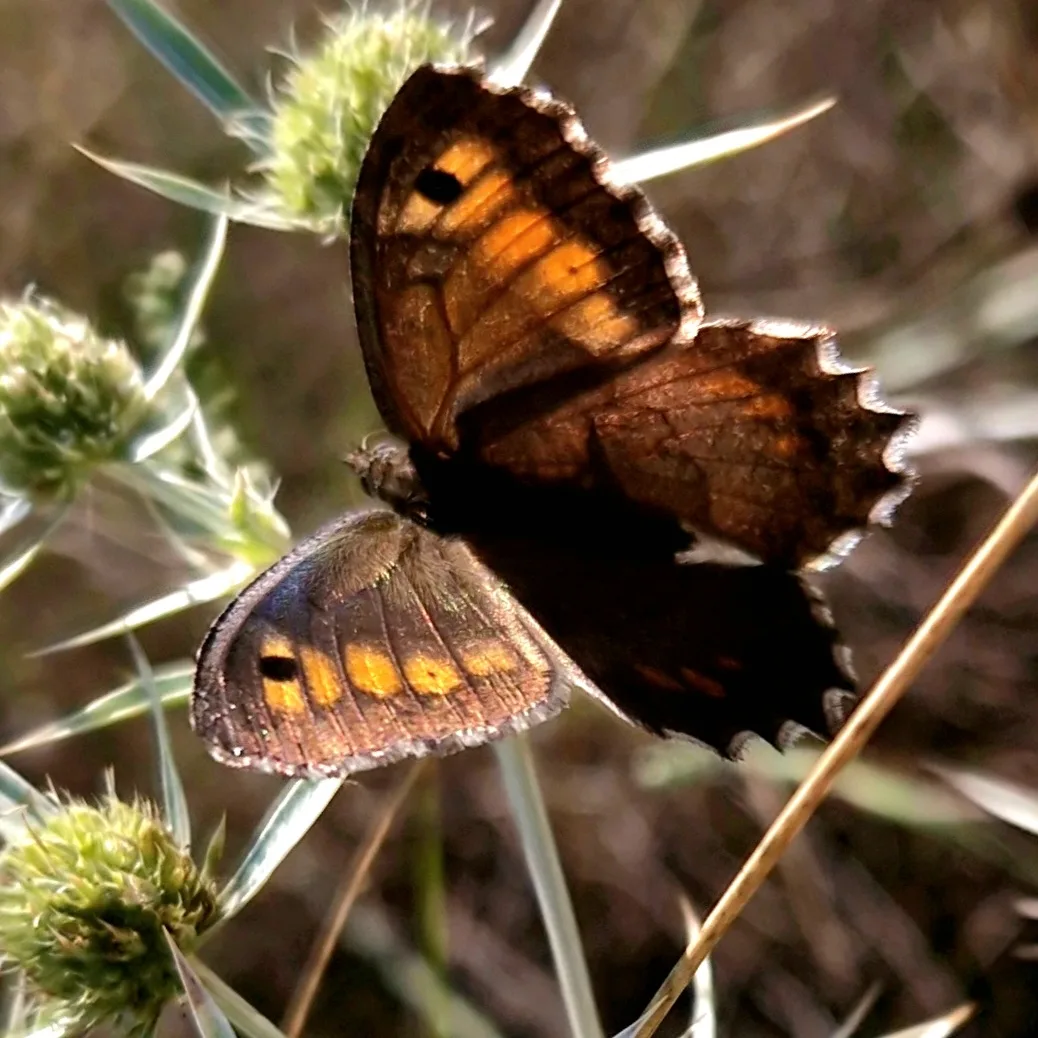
(904, 217)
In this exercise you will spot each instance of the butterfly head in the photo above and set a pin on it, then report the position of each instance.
(386, 471)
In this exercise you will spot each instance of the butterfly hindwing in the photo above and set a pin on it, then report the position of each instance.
(753, 433)
(374, 640)
(705, 650)
(489, 251)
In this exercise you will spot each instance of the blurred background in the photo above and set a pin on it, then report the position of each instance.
(906, 217)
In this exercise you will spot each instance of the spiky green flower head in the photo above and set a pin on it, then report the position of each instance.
(69, 398)
(328, 104)
(85, 901)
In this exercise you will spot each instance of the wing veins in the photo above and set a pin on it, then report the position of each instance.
(395, 656)
(503, 289)
(332, 709)
(664, 414)
(663, 283)
(724, 363)
(522, 174)
(489, 624)
(463, 721)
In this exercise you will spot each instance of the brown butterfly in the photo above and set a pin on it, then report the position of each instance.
(596, 489)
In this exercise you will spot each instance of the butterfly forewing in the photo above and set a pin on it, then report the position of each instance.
(374, 640)
(490, 252)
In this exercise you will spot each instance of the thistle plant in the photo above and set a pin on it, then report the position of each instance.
(103, 907)
(309, 135)
(152, 296)
(308, 142)
(325, 108)
(87, 899)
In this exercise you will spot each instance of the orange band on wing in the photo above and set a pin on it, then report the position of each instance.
(431, 675)
(487, 657)
(371, 670)
(322, 678)
(520, 278)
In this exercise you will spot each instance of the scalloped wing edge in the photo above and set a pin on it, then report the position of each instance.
(869, 398)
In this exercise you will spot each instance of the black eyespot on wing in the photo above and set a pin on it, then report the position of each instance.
(278, 668)
(438, 186)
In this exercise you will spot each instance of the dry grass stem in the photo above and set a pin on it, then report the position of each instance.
(935, 628)
(345, 896)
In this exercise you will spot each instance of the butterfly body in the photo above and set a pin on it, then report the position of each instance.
(572, 440)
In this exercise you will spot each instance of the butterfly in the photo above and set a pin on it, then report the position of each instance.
(589, 485)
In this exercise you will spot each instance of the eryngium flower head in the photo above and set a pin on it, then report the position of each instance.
(69, 399)
(85, 899)
(329, 103)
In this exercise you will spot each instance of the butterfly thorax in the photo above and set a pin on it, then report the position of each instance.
(458, 496)
(387, 472)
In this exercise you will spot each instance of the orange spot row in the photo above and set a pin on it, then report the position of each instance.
(371, 670)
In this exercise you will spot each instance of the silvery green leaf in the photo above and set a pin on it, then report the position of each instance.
(1016, 805)
(511, 68)
(14, 1014)
(857, 1015)
(299, 804)
(17, 792)
(194, 194)
(214, 850)
(13, 511)
(209, 1021)
(704, 1010)
(185, 56)
(196, 592)
(52, 1029)
(201, 505)
(151, 443)
(245, 1019)
(174, 802)
(19, 560)
(515, 760)
(215, 467)
(940, 1026)
(194, 303)
(172, 684)
(877, 788)
(661, 161)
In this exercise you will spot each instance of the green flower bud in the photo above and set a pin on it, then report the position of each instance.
(154, 295)
(69, 399)
(262, 535)
(85, 899)
(329, 103)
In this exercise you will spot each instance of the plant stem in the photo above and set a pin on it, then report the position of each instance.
(324, 945)
(245, 1019)
(542, 859)
(430, 898)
